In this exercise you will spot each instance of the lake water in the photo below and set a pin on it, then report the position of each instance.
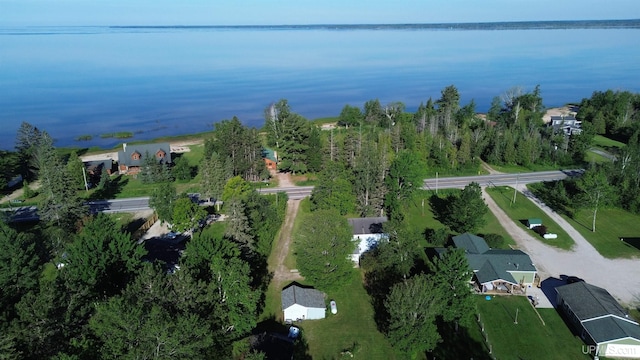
(169, 81)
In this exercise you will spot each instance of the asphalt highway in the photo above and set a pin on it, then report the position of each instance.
(29, 213)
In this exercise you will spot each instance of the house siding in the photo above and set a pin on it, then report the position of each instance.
(524, 277)
(295, 312)
(315, 313)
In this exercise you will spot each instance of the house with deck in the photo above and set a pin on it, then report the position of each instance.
(131, 157)
(367, 232)
(270, 158)
(496, 270)
(599, 320)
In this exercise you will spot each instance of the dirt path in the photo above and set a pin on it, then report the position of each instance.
(621, 277)
(281, 273)
(284, 180)
(489, 169)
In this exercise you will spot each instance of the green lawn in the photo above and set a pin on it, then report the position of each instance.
(605, 142)
(524, 209)
(611, 225)
(420, 217)
(529, 338)
(354, 323)
(592, 157)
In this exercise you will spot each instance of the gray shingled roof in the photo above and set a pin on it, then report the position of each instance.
(492, 264)
(470, 243)
(611, 328)
(124, 156)
(368, 225)
(294, 294)
(589, 301)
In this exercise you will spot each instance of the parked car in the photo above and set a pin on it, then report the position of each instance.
(573, 279)
(334, 307)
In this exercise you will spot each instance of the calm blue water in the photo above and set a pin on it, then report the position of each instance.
(156, 82)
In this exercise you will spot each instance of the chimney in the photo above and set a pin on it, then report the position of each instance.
(124, 147)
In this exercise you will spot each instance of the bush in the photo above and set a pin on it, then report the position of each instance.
(540, 230)
(494, 241)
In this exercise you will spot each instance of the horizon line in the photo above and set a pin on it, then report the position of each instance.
(347, 24)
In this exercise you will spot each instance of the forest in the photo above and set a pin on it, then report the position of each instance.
(78, 286)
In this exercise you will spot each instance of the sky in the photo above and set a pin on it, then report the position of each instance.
(287, 12)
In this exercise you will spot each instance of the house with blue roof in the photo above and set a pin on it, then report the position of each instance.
(496, 270)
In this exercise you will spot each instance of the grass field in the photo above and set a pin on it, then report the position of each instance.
(611, 225)
(421, 218)
(605, 142)
(592, 157)
(524, 209)
(353, 324)
(529, 338)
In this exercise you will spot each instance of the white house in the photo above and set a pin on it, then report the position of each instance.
(569, 125)
(299, 303)
(367, 232)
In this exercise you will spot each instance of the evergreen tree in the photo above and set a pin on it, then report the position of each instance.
(451, 274)
(238, 227)
(60, 204)
(76, 171)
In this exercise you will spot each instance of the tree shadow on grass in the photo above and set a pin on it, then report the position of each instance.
(112, 189)
(378, 284)
(439, 207)
(458, 345)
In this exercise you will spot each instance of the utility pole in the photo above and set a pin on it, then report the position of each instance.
(516, 322)
(515, 190)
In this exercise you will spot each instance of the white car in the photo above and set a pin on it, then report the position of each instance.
(334, 307)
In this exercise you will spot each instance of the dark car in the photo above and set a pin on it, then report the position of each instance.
(573, 279)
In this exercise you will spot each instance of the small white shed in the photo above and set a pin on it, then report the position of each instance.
(532, 223)
(299, 303)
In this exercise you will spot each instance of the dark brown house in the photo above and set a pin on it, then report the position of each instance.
(132, 156)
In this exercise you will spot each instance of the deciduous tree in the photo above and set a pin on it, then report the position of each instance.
(413, 307)
(162, 199)
(187, 214)
(465, 212)
(323, 247)
(595, 191)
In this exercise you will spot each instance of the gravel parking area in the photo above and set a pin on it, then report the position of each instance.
(621, 277)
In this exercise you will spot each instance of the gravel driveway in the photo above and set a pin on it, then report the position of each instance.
(621, 277)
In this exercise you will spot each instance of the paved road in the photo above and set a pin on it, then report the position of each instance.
(460, 182)
(294, 192)
(300, 192)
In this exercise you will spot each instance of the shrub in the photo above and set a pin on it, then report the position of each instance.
(494, 241)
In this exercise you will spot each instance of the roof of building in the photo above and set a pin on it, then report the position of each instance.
(589, 301)
(307, 297)
(124, 156)
(563, 118)
(98, 164)
(367, 225)
(472, 244)
(492, 264)
(269, 154)
(496, 264)
(612, 328)
(534, 221)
